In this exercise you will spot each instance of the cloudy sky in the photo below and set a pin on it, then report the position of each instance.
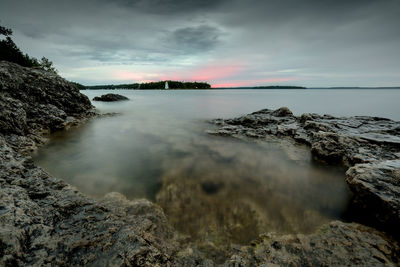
(314, 43)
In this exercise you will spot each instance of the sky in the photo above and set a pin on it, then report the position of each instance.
(312, 43)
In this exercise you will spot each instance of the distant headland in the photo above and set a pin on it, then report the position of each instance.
(149, 86)
(173, 85)
(203, 85)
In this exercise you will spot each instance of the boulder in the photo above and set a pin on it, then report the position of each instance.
(110, 98)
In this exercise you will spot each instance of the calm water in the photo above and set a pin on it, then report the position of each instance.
(212, 188)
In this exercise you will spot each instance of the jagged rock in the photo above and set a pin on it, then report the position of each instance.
(369, 145)
(33, 98)
(335, 244)
(282, 112)
(376, 188)
(110, 98)
(12, 116)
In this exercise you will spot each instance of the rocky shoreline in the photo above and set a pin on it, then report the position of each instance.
(369, 146)
(44, 221)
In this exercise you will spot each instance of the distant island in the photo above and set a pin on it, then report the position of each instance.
(148, 86)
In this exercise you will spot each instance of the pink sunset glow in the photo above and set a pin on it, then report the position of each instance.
(211, 72)
(252, 82)
(131, 76)
(214, 72)
(217, 74)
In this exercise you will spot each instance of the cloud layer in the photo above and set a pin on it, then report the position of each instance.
(228, 43)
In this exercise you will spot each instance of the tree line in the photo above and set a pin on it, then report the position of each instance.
(151, 85)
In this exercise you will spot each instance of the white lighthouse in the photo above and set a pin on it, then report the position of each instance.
(166, 85)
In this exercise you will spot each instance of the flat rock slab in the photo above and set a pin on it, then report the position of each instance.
(110, 98)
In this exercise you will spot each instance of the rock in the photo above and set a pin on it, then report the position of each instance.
(12, 116)
(110, 98)
(376, 188)
(370, 146)
(282, 112)
(335, 244)
(33, 99)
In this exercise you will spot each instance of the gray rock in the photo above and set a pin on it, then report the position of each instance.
(33, 99)
(376, 188)
(282, 112)
(335, 244)
(110, 98)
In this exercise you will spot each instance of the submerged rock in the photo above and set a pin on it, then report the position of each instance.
(110, 98)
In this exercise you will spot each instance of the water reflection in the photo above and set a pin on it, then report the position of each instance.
(217, 190)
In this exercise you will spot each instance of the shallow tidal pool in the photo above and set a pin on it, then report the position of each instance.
(216, 190)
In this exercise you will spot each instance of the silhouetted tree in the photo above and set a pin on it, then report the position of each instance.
(78, 85)
(47, 65)
(10, 52)
(5, 31)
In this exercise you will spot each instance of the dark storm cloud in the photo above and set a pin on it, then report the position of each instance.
(32, 30)
(316, 41)
(171, 7)
(194, 39)
(313, 15)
